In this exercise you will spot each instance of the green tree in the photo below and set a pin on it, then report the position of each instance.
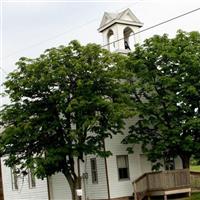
(166, 92)
(63, 105)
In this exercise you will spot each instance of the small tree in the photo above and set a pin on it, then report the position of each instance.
(63, 105)
(166, 92)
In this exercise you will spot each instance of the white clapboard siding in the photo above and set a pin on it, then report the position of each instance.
(122, 188)
(95, 190)
(137, 167)
(59, 187)
(178, 163)
(40, 192)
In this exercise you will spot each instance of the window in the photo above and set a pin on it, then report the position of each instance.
(122, 166)
(111, 39)
(31, 179)
(169, 163)
(94, 174)
(128, 41)
(14, 178)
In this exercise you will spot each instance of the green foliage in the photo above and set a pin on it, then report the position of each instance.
(195, 168)
(166, 92)
(63, 105)
(194, 196)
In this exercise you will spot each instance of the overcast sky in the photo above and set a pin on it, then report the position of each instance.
(30, 27)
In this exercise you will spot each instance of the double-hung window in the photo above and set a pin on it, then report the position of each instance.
(31, 179)
(14, 178)
(94, 173)
(122, 166)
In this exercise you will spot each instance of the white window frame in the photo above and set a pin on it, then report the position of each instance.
(31, 179)
(14, 179)
(94, 171)
(127, 166)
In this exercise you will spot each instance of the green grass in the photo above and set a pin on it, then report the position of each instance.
(194, 196)
(195, 168)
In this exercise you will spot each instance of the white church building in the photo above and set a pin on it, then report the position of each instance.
(102, 179)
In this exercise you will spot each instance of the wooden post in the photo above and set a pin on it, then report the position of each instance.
(148, 185)
(135, 191)
(48, 188)
(79, 177)
(106, 169)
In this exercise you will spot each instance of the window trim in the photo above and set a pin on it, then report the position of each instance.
(95, 171)
(31, 180)
(14, 179)
(128, 172)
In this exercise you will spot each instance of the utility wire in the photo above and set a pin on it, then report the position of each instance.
(56, 36)
(60, 34)
(50, 38)
(156, 25)
(4, 71)
(146, 29)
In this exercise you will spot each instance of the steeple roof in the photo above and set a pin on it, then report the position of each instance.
(124, 17)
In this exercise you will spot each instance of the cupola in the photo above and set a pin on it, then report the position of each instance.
(118, 29)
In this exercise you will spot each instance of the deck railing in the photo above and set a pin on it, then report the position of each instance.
(161, 181)
(195, 180)
(140, 186)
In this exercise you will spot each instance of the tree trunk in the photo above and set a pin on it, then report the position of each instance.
(73, 184)
(185, 161)
(79, 176)
(73, 192)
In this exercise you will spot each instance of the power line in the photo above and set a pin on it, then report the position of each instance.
(4, 71)
(156, 25)
(50, 38)
(56, 36)
(151, 27)
(60, 34)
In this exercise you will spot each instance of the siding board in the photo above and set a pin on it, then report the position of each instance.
(40, 192)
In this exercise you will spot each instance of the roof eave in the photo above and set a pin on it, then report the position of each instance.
(102, 28)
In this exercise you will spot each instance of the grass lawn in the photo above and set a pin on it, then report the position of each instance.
(195, 196)
(195, 168)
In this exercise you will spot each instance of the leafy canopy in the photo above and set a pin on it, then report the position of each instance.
(166, 92)
(63, 104)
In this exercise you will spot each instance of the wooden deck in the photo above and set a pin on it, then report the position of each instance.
(162, 183)
(195, 181)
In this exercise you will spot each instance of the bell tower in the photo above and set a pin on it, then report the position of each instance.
(120, 27)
